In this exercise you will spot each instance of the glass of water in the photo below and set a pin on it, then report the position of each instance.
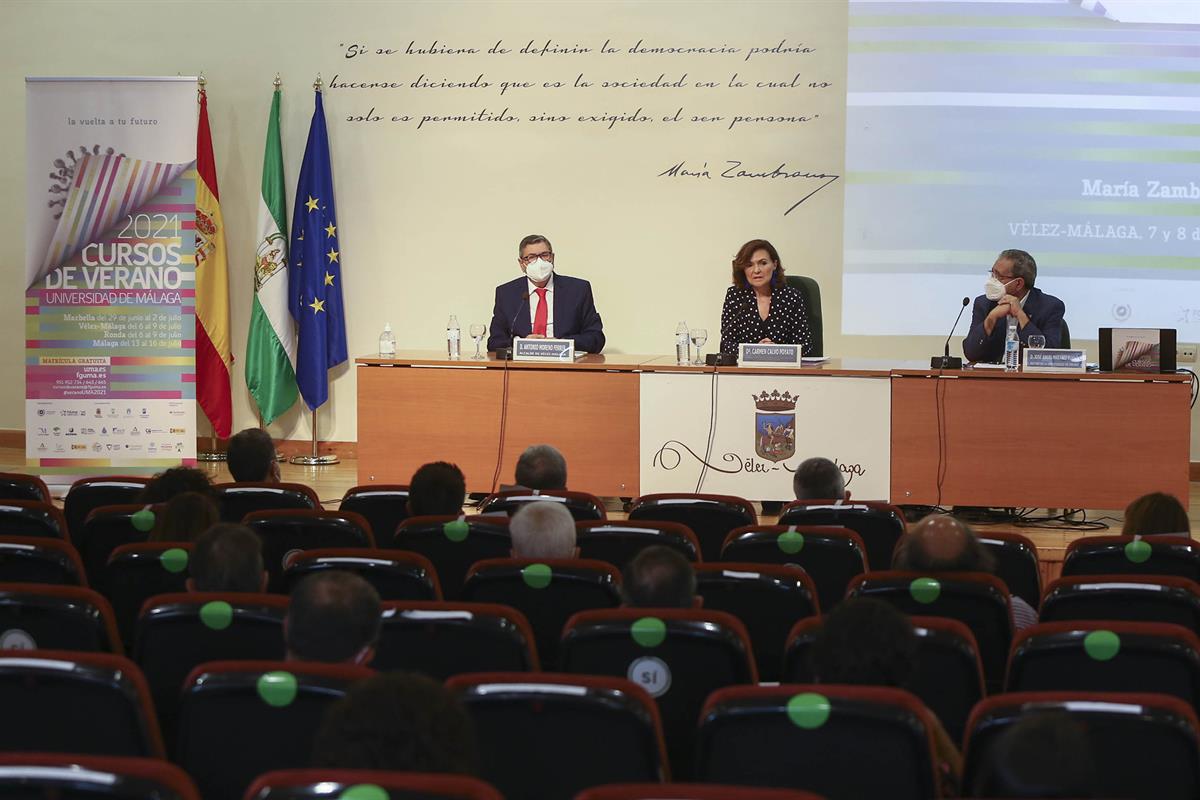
(699, 337)
(1036, 342)
(477, 332)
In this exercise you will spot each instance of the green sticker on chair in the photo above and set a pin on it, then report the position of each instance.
(925, 590)
(457, 530)
(174, 560)
(790, 542)
(217, 615)
(649, 631)
(364, 791)
(808, 710)
(277, 689)
(1102, 645)
(143, 520)
(1137, 551)
(537, 576)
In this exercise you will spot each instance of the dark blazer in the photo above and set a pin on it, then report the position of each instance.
(575, 315)
(787, 322)
(1045, 312)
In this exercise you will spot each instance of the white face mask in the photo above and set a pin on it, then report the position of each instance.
(993, 289)
(539, 270)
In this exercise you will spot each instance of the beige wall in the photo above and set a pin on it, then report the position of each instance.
(430, 218)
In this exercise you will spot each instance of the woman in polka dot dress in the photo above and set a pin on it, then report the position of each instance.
(760, 307)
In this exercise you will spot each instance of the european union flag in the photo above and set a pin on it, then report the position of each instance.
(314, 270)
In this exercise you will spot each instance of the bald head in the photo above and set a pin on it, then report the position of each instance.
(941, 543)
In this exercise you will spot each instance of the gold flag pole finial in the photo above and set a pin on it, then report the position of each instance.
(317, 84)
(202, 81)
(277, 82)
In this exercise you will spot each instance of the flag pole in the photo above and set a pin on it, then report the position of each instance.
(212, 454)
(314, 459)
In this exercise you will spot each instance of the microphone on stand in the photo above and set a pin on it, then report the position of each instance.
(506, 353)
(945, 361)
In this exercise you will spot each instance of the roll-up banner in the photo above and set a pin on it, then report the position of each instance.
(110, 302)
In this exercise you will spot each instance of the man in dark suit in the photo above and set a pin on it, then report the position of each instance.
(544, 305)
(1010, 292)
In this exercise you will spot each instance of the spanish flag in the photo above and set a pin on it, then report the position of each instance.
(213, 354)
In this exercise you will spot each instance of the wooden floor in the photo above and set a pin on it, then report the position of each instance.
(331, 483)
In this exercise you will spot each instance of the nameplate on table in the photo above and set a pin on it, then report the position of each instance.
(1054, 360)
(544, 350)
(775, 355)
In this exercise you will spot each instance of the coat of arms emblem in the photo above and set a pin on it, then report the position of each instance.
(775, 425)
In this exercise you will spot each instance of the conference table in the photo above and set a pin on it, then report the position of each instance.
(635, 424)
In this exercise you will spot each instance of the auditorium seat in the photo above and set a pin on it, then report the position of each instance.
(287, 531)
(879, 524)
(690, 791)
(547, 736)
(88, 494)
(948, 676)
(32, 518)
(384, 505)
(63, 702)
(236, 500)
(441, 639)
(679, 656)
(39, 616)
(1143, 746)
(979, 601)
(767, 598)
(1016, 564)
(105, 529)
(239, 719)
(710, 516)
(1106, 656)
(838, 741)
(177, 632)
(19, 486)
(136, 572)
(453, 544)
(40, 559)
(1135, 598)
(1133, 555)
(546, 591)
(322, 784)
(395, 574)
(618, 542)
(830, 554)
(583, 506)
(72, 776)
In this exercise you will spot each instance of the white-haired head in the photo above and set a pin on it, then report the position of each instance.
(543, 529)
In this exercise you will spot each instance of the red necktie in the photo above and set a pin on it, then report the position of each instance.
(539, 315)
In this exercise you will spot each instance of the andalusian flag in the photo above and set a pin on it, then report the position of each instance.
(213, 355)
(271, 345)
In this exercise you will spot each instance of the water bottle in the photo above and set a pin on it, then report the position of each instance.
(683, 347)
(387, 342)
(453, 335)
(1012, 347)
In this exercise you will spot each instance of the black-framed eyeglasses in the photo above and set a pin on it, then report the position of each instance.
(529, 259)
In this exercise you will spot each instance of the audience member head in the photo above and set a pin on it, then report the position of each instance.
(1044, 754)
(251, 457)
(397, 721)
(176, 480)
(819, 479)
(543, 529)
(438, 488)
(659, 577)
(542, 467)
(227, 558)
(184, 517)
(941, 543)
(867, 642)
(1156, 512)
(332, 617)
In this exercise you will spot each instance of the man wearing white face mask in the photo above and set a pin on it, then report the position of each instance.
(1009, 291)
(543, 304)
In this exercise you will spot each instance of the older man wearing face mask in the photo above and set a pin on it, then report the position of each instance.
(1009, 291)
(543, 304)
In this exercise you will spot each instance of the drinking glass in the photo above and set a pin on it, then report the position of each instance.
(1037, 342)
(477, 332)
(699, 337)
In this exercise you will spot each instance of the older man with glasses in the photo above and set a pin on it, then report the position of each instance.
(1009, 291)
(544, 304)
